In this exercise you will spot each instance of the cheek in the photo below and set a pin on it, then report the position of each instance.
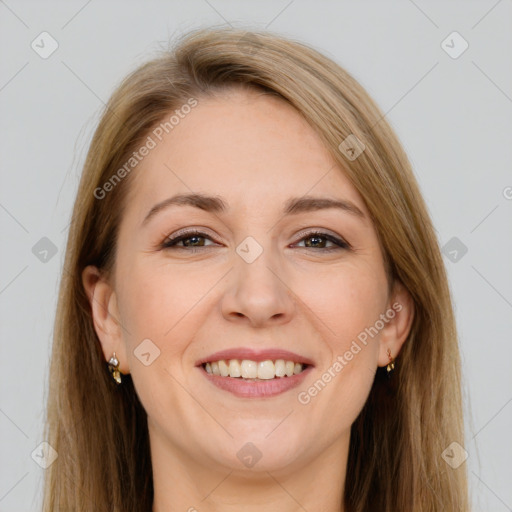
(349, 361)
(165, 304)
(155, 298)
(346, 305)
(152, 309)
(156, 307)
(345, 301)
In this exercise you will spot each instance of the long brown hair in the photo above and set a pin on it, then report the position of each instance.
(99, 429)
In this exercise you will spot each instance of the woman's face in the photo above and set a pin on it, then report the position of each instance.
(256, 279)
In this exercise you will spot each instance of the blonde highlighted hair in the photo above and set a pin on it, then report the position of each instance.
(100, 430)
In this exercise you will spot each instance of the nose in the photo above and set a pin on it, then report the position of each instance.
(257, 293)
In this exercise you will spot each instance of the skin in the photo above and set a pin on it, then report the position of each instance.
(295, 296)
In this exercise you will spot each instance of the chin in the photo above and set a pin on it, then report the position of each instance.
(263, 449)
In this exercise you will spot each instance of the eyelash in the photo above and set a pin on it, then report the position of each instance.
(170, 243)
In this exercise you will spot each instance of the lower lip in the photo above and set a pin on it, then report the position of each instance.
(256, 389)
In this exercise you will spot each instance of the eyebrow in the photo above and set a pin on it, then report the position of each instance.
(293, 206)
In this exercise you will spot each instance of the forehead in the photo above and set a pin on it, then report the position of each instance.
(247, 146)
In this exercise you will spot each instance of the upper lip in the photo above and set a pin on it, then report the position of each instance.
(255, 355)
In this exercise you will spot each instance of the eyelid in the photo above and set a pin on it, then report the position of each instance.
(184, 233)
(320, 231)
(187, 231)
(340, 243)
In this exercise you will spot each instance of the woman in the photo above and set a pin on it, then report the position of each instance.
(254, 313)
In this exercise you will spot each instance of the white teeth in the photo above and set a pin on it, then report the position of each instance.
(234, 368)
(280, 367)
(266, 370)
(223, 368)
(247, 369)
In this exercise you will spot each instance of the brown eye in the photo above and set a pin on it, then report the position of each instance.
(192, 239)
(318, 241)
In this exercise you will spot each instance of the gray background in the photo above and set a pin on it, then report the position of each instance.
(453, 116)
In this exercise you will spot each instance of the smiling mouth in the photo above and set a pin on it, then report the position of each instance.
(249, 370)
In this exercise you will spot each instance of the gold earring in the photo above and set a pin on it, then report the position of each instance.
(391, 365)
(113, 366)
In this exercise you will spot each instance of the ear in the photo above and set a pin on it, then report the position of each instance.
(398, 326)
(105, 315)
